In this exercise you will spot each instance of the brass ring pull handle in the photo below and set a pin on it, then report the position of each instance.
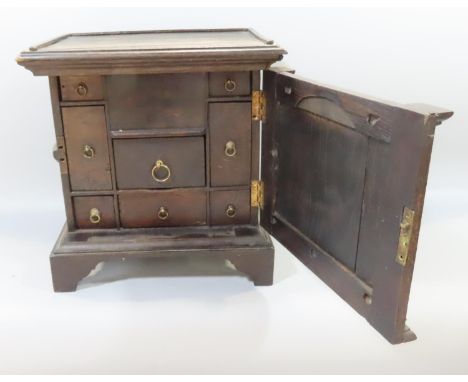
(94, 216)
(82, 89)
(230, 85)
(88, 151)
(160, 167)
(230, 211)
(163, 213)
(230, 149)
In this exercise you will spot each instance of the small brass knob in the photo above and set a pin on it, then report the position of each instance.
(160, 172)
(230, 211)
(88, 151)
(230, 85)
(163, 213)
(230, 149)
(94, 216)
(82, 89)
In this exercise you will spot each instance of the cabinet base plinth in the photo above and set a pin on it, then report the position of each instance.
(248, 248)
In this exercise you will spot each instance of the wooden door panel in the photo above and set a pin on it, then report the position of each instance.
(324, 181)
(339, 172)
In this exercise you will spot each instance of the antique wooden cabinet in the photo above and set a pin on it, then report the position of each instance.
(188, 143)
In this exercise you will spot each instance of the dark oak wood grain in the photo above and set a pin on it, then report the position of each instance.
(144, 52)
(136, 158)
(175, 101)
(320, 180)
(158, 146)
(228, 84)
(54, 87)
(230, 207)
(105, 210)
(86, 127)
(180, 207)
(230, 122)
(81, 88)
(76, 254)
(363, 161)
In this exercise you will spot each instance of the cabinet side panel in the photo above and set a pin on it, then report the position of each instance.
(54, 86)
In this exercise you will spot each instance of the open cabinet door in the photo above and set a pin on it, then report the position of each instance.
(344, 182)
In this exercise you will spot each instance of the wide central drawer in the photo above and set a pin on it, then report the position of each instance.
(164, 208)
(159, 162)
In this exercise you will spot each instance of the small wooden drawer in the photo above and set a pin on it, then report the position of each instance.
(160, 162)
(163, 208)
(230, 143)
(87, 148)
(94, 211)
(230, 84)
(81, 88)
(230, 207)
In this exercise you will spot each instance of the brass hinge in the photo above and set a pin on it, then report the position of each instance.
(258, 105)
(256, 194)
(406, 228)
(60, 154)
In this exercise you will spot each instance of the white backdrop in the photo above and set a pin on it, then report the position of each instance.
(221, 324)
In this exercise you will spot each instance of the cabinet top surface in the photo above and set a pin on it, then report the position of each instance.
(157, 40)
(151, 52)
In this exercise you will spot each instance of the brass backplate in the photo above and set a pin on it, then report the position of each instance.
(258, 105)
(256, 194)
(406, 228)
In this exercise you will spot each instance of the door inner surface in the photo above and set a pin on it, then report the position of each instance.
(342, 173)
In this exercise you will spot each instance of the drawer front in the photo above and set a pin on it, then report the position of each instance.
(160, 162)
(163, 208)
(87, 149)
(230, 143)
(230, 84)
(230, 207)
(94, 211)
(81, 88)
(157, 101)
